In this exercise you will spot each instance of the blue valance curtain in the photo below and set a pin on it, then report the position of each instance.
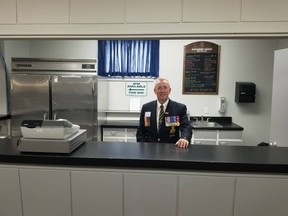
(128, 58)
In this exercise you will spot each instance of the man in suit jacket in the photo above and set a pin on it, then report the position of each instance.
(173, 127)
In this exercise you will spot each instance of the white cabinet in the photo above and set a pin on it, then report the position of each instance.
(261, 196)
(4, 128)
(97, 11)
(204, 137)
(45, 192)
(229, 137)
(44, 11)
(131, 134)
(206, 195)
(118, 134)
(67, 191)
(8, 13)
(217, 137)
(96, 193)
(114, 134)
(150, 194)
(10, 196)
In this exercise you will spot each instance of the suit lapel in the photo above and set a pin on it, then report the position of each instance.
(168, 108)
(154, 116)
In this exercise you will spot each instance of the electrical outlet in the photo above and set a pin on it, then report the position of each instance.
(206, 110)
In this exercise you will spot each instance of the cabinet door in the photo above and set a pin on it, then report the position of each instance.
(230, 134)
(150, 194)
(131, 134)
(204, 137)
(230, 142)
(206, 196)
(8, 16)
(10, 201)
(261, 196)
(114, 134)
(204, 142)
(96, 193)
(205, 134)
(45, 192)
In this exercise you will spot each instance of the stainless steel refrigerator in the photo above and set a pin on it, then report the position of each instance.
(53, 89)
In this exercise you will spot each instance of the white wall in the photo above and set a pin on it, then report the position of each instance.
(240, 60)
(279, 117)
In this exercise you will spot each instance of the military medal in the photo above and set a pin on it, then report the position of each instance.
(147, 119)
(173, 130)
(171, 121)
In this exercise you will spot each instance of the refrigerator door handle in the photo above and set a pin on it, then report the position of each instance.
(45, 116)
(71, 76)
(93, 86)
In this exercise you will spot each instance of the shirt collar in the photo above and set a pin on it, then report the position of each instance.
(164, 105)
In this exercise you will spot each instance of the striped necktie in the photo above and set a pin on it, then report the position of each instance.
(161, 115)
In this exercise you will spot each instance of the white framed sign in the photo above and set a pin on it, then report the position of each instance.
(136, 88)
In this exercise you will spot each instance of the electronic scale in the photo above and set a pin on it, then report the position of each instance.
(50, 136)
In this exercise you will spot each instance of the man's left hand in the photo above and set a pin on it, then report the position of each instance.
(182, 143)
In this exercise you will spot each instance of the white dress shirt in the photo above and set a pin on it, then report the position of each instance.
(158, 109)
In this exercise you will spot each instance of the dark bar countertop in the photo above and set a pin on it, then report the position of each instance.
(210, 158)
(5, 117)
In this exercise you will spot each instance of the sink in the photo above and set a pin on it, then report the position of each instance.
(206, 124)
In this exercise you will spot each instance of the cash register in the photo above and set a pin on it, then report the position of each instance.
(50, 136)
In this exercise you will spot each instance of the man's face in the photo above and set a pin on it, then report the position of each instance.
(162, 90)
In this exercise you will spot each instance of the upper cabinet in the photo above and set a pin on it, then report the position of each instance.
(42, 11)
(142, 18)
(97, 11)
(211, 11)
(10, 200)
(157, 11)
(264, 10)
(8, 12)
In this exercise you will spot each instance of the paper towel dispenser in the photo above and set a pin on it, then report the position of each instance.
(245, 92)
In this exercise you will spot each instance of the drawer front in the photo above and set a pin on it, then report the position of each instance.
(205, 134)
(230, 134)
(113, 139)
(230, 142)
(130, 139)
(113, 132)
(131, 132)
(204, 142)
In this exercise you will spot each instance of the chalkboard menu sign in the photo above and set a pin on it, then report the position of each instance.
(200, 74)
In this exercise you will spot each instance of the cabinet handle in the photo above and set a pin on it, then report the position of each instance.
(113, 133)
(121, 140)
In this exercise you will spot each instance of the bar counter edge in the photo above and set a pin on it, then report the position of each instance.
(164, 156)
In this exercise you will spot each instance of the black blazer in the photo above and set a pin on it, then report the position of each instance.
(147, 132)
